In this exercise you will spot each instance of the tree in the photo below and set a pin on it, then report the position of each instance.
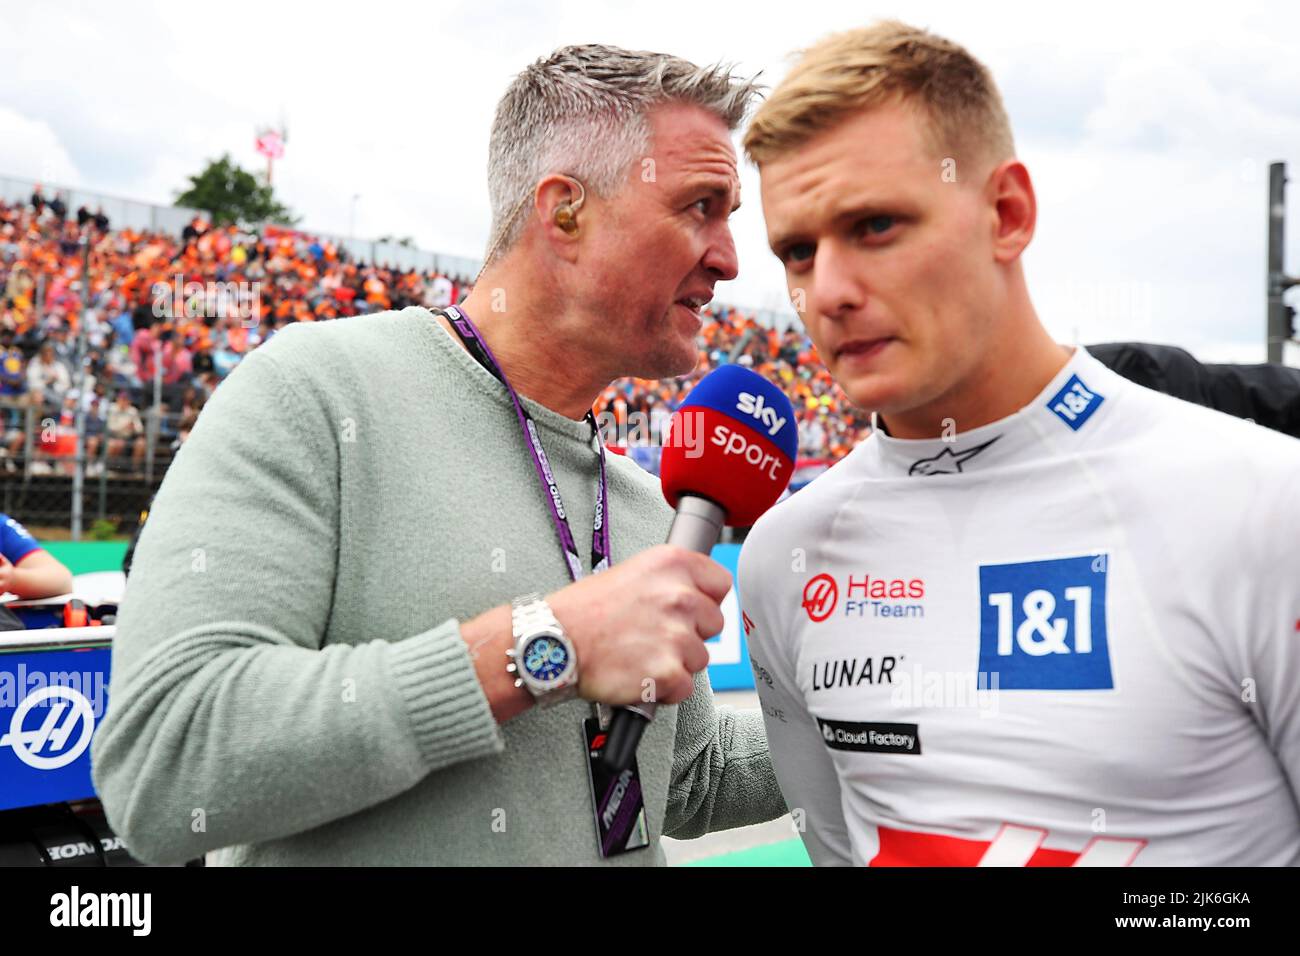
(232, 194)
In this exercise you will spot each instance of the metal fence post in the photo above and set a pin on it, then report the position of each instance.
(1279, 318)
(155, 414)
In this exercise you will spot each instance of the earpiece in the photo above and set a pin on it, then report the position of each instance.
(566, 213)
(564, 219)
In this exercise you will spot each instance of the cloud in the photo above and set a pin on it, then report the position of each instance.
(1161, 102)
(1148, 135)
(30, 149)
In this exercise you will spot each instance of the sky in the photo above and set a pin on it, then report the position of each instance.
(1147, 129)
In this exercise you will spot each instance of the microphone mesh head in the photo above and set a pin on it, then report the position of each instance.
(733, 441)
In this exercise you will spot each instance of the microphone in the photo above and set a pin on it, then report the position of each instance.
(729, 454)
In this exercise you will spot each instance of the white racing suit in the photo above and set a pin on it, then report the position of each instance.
(1070, 637)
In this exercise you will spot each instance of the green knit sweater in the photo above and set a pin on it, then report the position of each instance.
(290, 684)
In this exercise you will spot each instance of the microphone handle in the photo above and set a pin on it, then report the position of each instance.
(697, 527)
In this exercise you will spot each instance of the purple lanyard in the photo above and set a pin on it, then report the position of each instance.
(600, 553)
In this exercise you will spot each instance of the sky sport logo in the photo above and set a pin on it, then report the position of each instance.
(820, 595)
(754, 406)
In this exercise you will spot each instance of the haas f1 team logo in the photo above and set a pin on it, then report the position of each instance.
(820, 595)
(64, 717)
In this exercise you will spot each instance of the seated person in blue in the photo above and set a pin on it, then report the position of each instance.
(27, 569)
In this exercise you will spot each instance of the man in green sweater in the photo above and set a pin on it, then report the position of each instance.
(311, 658)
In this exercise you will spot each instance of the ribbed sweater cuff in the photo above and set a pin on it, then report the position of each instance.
(439, 686)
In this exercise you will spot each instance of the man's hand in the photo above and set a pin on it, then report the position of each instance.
(639, 628)
(6, 574)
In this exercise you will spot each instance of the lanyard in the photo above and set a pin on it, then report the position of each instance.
(617, 830)
(600, 549)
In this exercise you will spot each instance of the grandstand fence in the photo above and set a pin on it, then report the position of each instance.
(122, 213)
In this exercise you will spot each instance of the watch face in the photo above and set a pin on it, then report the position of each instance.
(545, 658)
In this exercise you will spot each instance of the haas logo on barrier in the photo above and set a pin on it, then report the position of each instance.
(62, 719)
(753, 405)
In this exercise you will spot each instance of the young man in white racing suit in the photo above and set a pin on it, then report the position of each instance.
(1042, 615)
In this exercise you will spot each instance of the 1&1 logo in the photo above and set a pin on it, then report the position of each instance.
(28, 744)
(820, 595)
(1075, 403)
(1043, 624)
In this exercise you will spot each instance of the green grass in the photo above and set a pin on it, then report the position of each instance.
(784, 853)
(81, 557)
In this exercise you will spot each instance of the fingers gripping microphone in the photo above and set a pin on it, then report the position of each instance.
(728, 456)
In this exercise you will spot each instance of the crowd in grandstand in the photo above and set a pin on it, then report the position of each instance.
(157, 334)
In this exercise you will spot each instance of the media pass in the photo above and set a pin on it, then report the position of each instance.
(871, 738)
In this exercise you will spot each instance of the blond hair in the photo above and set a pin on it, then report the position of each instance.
(886, 63)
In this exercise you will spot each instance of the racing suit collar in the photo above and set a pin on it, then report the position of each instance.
(1019, 434)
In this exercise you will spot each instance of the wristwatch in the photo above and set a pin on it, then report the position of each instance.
(543, 659)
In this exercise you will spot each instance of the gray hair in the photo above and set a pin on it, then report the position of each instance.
(582, 112)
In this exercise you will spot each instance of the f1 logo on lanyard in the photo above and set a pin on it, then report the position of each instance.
(1043, 624)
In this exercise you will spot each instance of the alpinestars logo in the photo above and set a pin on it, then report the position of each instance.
(820, 595)
(947, 462)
